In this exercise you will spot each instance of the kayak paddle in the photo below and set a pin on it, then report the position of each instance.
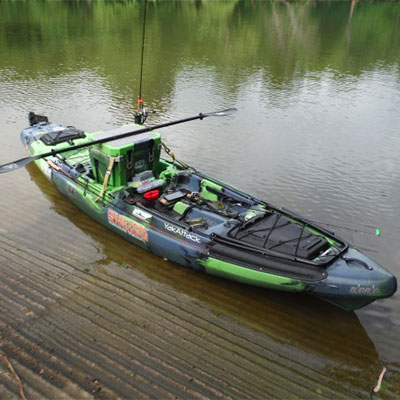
(12, 166)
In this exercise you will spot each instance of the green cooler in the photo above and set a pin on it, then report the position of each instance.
(132, 154)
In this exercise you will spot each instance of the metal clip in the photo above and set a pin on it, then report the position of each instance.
(129, 160)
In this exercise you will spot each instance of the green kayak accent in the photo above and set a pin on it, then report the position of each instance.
(205, 184)
(249, 276)
(180, 207)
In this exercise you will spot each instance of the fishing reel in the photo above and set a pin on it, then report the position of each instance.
(142, 112)
(141, 116)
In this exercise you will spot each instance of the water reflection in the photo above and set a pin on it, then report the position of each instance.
(283, 40)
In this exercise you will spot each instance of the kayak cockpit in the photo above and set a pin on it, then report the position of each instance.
(239, 221)
(200, 204)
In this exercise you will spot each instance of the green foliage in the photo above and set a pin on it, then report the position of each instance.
(280, 40)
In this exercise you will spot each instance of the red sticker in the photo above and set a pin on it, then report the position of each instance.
(128, 226)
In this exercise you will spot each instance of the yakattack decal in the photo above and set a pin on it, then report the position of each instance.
(181, 232)
(143, 215)
(128, 226)
(364, 290)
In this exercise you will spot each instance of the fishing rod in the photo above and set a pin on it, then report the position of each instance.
(12, 166)
(376, 233)
(142, 112)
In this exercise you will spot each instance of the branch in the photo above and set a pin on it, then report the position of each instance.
(21, 390)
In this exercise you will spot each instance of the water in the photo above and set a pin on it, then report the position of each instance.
(317, 85)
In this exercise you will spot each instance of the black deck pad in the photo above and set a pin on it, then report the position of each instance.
(278, 233)
(70, 133)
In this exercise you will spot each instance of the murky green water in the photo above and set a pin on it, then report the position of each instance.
(317, 85)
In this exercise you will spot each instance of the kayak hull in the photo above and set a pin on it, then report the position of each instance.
(351, 280)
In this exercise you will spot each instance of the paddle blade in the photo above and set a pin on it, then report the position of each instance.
(12, 166)
(222, 113)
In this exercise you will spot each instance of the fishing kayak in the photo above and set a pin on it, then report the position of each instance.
(119, 178)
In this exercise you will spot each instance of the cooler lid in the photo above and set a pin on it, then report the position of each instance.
(142, 137)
